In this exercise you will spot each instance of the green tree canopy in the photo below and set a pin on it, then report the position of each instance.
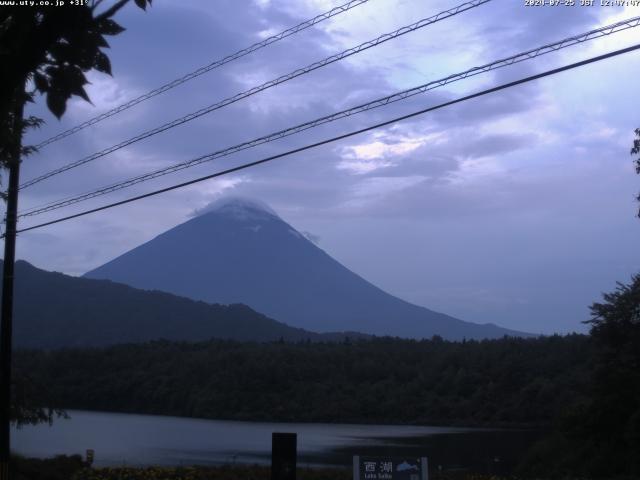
(635, 150)
(48, 49)
(611, 424)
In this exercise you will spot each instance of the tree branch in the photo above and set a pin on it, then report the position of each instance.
(113, 10)
(95, 4)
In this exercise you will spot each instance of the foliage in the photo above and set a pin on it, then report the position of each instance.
(499, 382)
(247, 473)
(73, 468)
(204, 473)
(599, 436)
(53, 47)
(611, 425)
(635, 150)
(47, 49)
(28, 398)
(61, 467)
(241, 473)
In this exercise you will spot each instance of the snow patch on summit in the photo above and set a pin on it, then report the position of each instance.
(240, 208)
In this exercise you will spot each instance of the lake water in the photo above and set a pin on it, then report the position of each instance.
(123, 439)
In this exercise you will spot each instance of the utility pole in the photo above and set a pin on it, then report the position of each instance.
(6, 309)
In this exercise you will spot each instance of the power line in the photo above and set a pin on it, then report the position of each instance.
(527, 55)
(272, 83)
(530, 54)
(207, 68)
(341, 137)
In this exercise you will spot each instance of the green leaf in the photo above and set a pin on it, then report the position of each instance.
(73, 82)
(33, 122)
(57, 103)
(142, 4)
(41, 82)
(99, 40)
(61, 52)
(81, 92)
(86, 58)
(102, 63)
(109, 27)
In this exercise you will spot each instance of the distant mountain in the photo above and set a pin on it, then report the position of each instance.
(53, 310)
(241, 251)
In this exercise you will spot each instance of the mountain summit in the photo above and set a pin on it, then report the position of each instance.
(241, 208)
(240, 251)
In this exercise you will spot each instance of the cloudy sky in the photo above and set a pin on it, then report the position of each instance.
(516, 208)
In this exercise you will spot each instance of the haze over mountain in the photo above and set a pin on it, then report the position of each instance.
(53, 310)
(241, 251)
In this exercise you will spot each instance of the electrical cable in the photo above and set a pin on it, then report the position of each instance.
(207, 68)
(272, 83)
(340, 137)
(527, 55)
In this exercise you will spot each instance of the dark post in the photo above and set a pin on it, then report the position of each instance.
(283, 456)
(6, 324)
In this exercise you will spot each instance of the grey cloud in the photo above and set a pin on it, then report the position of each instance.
(312, 237)
(492, 144)
(518, 26)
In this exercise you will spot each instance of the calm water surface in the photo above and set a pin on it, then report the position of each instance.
(122, 439)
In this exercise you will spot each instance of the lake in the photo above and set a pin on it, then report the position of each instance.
(124, 439)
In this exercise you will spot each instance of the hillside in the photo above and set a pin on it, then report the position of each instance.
(54, 310)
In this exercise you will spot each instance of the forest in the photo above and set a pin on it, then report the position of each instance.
(506, 382)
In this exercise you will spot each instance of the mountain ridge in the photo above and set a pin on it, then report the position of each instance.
(79, 312)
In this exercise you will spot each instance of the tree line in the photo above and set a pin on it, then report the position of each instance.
(506, 382)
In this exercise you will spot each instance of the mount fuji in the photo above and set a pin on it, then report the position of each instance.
(241, 251)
